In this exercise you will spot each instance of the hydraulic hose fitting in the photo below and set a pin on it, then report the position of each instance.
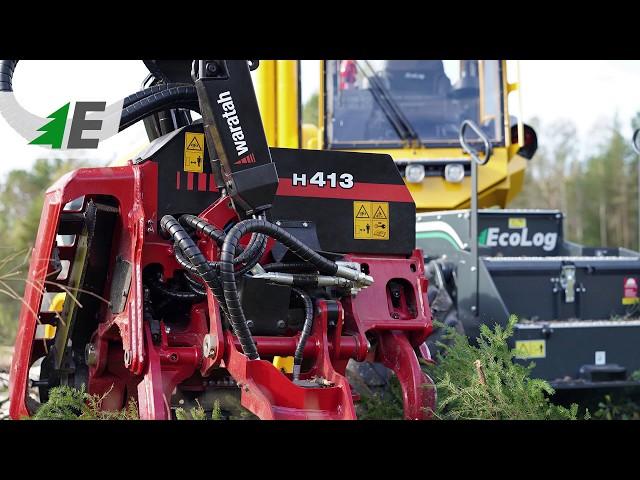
(354, 275)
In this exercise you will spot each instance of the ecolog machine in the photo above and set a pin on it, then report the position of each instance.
(211, 261)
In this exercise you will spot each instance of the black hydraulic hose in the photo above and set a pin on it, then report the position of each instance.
(203, 227)
(190, 250)
(184, 263)
(306, 330)
(133, 98)
(207, 273)
(256, 245)
(159, 286)
(293, 266)
(193, 280)
(195, 285)
(173, 97)
(304, 280)
(257, 225)
(216, 285)
(237, 318)
(7, 67)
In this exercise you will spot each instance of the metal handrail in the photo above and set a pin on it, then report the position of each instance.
(473, 224)
(468, 148)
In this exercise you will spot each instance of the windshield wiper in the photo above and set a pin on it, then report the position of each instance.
(389, 107)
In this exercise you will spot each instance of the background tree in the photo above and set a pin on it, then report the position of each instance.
(310, 110)
(545, 185)
(597, 190)
(21, 199)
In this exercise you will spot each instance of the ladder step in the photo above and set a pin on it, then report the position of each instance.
(71, 223)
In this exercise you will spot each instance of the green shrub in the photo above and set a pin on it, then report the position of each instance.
(485, 383)
(198, 413)
(67, 403)
(617, 409)
(386, 405)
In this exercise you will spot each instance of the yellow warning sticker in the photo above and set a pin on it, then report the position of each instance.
(193, 152)
(370, 220)
(517, 222)
(630, 300)
(531, 348)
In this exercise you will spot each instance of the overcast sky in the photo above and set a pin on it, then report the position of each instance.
(585, 92)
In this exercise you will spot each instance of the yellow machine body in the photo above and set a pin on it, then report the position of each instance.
(278, 88)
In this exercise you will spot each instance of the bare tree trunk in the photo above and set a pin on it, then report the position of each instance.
(603, 224)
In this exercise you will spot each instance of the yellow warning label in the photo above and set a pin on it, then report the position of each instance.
(363, 212)
(194, 152)
(531, 349)
(630, 300)
(517, 222)
(380, 213)
(370, 220)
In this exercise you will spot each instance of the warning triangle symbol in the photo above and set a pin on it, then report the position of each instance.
(362, 213)
(379, 213)
(194, 145)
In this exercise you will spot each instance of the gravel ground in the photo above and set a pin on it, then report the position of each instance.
(4, 395)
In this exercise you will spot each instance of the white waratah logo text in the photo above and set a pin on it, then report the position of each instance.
(233, 121)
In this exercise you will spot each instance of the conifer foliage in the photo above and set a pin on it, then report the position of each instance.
(484, 382)
(67, 403)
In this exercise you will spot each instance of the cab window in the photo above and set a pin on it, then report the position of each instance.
(387, 103)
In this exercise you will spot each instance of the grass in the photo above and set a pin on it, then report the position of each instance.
(12, 281)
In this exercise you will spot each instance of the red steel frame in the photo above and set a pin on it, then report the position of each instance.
(130, 364)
